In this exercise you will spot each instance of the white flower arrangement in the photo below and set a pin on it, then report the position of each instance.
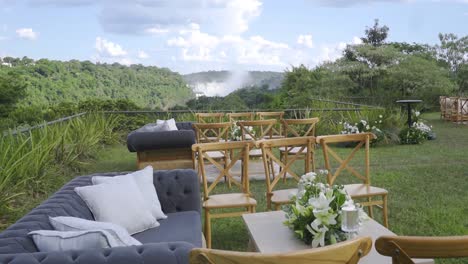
(364, 126)
(419, 125)
(236, 132)
(315, 214)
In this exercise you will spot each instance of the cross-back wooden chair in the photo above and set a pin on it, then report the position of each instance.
(209, 117)
(303, 152)
(375, 196)
(277, 131)
(461, 113)
(238, 151)
(452, 108)
(443, 107)
(261, 129)
(403, 248)
(211, 132)
(298, 128)
(234, 117)
(347, 252)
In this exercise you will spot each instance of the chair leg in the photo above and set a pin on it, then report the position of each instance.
(285, 162)
(385, 212)
(371, 208)
(208, 228)
(268, 201)
(277, 207)
(253, 209)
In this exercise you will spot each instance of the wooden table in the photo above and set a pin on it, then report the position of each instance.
(269, 235)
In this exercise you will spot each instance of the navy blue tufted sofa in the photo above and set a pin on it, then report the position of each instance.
(163, 149)
(171, 242)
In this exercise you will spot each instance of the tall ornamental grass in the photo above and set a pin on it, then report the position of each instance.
(36, 162)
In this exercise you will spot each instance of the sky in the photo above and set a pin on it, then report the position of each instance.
(198, 35)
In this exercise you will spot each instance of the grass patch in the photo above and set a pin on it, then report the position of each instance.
(427, 185)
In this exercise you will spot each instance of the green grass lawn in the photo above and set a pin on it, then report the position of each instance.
(427, 184)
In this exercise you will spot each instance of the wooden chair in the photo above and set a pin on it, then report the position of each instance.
(209, 117)
(460, 111)
(452, 108)
(239, 151)
(298, 128)
(347, 252)
(360, 190)
(234, 117)
(277, 130)
(263, 128)
(403, 248)
(443, 106)
(211, 132)
(303, 146)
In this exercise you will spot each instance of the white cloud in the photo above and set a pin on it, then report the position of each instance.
(347, 3)
(27, 33)
(305, 40)
(106, 48)
(142, 55)
(199, 46)
(156, 30)
(160, 16)
(357, 41)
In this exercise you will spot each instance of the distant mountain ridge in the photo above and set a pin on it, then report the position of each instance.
(224, 82)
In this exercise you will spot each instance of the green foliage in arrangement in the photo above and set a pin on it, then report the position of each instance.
(412, 135)
(34, 163)
(52, 82)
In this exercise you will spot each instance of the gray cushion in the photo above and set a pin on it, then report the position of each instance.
(182, 226)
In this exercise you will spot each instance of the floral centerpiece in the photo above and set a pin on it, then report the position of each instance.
(365, 126)
(236, 132)
(315, 214)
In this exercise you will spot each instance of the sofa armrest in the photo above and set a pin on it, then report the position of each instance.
(141, 141)
(178, 190)
(163, 253)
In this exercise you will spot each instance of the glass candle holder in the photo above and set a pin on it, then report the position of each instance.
(350, 219)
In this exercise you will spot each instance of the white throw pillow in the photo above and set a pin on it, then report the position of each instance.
(171, 122)
(51, 240)
(144, 180)
(118, 203)
(67, 223)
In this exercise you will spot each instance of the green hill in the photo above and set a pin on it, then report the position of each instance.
(51, 82)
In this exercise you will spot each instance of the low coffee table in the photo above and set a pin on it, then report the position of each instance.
(269, 235)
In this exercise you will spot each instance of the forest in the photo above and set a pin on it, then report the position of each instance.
(374, 72)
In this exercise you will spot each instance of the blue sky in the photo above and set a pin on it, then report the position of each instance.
(196, 35)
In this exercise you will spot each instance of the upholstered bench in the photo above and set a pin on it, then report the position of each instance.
(163, 150)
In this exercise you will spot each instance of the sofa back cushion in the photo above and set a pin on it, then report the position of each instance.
(65, 202)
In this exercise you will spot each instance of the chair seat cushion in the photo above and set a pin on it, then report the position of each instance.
(255, 153)
(294, 150)
(283, 196)
(229, 200)
(362, 190)
(180, 226)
